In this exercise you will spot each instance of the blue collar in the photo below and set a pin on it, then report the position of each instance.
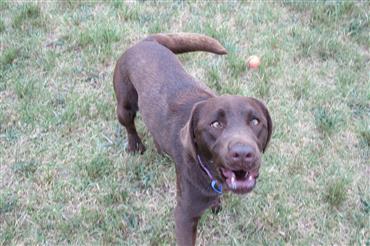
(215, 185)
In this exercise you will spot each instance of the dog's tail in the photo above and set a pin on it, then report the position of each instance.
(188, 42)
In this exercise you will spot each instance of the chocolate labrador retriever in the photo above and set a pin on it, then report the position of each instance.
(215, 141)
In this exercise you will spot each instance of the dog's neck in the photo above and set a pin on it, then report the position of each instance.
(201, 179)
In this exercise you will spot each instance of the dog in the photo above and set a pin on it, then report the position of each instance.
(215, 141)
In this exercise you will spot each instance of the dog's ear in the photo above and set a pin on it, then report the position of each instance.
(187, 135)
(266, 113)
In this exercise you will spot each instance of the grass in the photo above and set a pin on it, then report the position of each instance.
(65, 175)
(336, 193)
(326, 122)
(2, 26)
(8, 56)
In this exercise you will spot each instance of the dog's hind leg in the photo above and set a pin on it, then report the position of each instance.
(127, 107)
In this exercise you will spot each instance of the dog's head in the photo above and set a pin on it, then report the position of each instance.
(229, 133)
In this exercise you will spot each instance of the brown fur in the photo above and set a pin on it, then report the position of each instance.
(179, 112)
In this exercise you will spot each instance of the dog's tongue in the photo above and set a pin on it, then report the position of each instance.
(246, 183)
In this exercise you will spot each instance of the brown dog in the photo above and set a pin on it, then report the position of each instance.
(216, 141)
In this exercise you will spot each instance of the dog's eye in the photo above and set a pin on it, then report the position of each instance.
(216, 124)
(254, 122)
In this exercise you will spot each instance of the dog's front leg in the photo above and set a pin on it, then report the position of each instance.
(186, 226)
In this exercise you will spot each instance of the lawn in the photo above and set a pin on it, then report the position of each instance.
(65, 177)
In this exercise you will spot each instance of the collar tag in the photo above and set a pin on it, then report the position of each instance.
(217, 188)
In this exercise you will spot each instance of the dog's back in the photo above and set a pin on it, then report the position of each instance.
(153, 59)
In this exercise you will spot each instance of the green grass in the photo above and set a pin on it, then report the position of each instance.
(67, 179)
(327, 122)
(8, 56)
(336, 193)
(28, 16)
(2, 26)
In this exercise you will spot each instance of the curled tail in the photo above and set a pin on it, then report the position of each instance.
(187, 42)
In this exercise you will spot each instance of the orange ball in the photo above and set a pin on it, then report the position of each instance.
(253, 62)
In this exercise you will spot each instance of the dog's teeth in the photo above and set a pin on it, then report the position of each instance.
(233, 184)
(233, 175)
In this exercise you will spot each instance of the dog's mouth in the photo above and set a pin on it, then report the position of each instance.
(239, 181)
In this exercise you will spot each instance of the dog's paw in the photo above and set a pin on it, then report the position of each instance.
(139, 148)
(135, 146)
(216, 209)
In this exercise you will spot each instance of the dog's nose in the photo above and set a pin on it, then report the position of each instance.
(242, 153)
